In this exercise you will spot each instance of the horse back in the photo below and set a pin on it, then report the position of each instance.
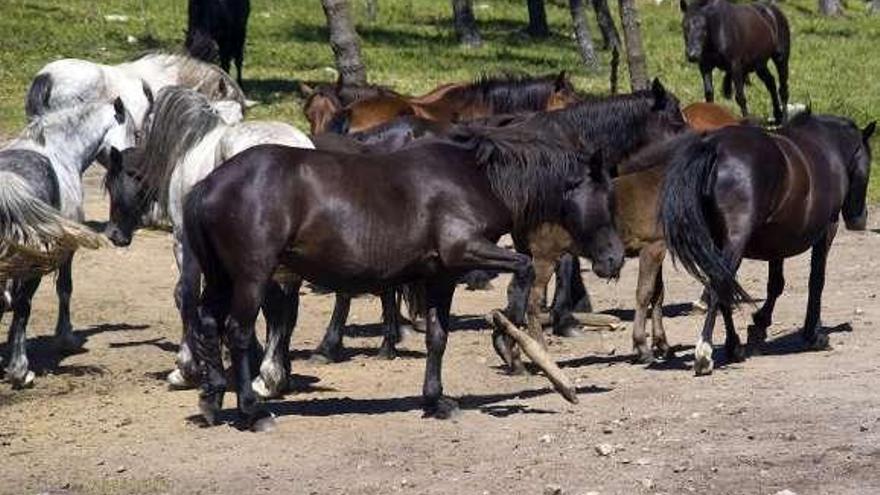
(755, 33)
(36, 170)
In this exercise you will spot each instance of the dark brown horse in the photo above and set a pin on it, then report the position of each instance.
(450, 102)
(744, 192)
(364, 223)
(739, 40)
(324, 101)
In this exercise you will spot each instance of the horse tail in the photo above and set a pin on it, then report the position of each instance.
(686, 198)
(727, 86)
(615, 67)
(196, 236)
(414, 295)
(37, 102)
(34, 236)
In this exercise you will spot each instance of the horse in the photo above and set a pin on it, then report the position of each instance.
(619, 126)
(324, 101)
(186, 140)
(739, 40)
(745, 192)
(703, 117)
(70, 82)
(357, 223)
(41, 198)
(216, 29)
(488, 95)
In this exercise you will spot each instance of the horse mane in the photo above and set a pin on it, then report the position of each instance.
(527, 167)
(510, 93)
(69, 119)
(182, 118)
(615, 124)
(202, 76)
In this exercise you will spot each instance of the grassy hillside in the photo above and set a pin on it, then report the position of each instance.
(411, 47)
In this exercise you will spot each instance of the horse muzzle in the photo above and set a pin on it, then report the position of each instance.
(116, 236)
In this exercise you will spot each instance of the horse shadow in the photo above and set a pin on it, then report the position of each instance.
(485, 403)
(44, 356)
(669, 311)
(269, 91)
(793, 343)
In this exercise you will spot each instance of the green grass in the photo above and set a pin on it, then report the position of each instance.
(412, 48)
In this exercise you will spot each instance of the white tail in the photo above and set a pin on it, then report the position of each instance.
(34, 237)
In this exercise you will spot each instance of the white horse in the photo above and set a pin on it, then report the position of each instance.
(186, 140)
(71, 82)
(41, 207)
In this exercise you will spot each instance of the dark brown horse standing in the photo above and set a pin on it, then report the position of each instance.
(744, 192)
(739, 40)
(365, 223)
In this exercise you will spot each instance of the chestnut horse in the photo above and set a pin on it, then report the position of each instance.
(704, 116)
(745, 192)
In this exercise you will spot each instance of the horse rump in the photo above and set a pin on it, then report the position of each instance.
(34, 237)
(685, 207)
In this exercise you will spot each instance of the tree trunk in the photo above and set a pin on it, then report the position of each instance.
(537, 19)
(582, 33)
(830, 7)
(465, 23)
(632, 37)
(610, 36)
(874, 7)
(372, 10)
(345, 43)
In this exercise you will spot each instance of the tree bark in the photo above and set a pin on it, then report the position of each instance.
(610, 36)
(635, 52)
(372, 10)
(874, 7)
(582, 33)
(538, 27)
(830, 7)
(465, 22)
(345, 43)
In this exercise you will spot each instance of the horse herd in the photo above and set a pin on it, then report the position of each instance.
(404, 196)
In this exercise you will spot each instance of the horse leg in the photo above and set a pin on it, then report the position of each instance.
(280, 308)
(65, 340)
(439, 300)
(186, 295)
(732, 254)
(767, 78)
(811, 332)
(661, 344)
(649, 267)
(764, 316)
(17, 371)
(708, 89)
(781, 61)
(732, 345)
(392, 326)
(570, 296)
(543, 267)
(205, 339)
(330, 348)
(247, 297)
(739, 79)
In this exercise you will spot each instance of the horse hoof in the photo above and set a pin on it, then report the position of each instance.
(267, 390)
(67, 342)
(643, 357)
(387, 353)
(23, 382)
(663, 352)
(444, 408)
(736, 354)
(703, 363)
(517, 368)
(820, 342)
(209, 407)
(177, 381)
(263, 423)
(318, 357)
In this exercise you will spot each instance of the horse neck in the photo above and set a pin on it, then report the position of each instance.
(157, 71)
(73, 146)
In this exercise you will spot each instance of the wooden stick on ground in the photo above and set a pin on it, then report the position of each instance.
(538, 356)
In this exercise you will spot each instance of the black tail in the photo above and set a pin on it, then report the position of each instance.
(196, 236)
(414, 295)
(686, 197)
(38, 96)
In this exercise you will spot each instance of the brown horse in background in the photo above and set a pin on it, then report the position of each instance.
(704, 116)
(447, 103)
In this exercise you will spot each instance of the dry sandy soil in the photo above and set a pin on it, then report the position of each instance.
(103, 421)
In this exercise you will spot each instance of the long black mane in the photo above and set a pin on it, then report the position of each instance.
(509, 93)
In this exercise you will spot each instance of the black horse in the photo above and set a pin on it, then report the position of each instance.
(739, 39)
(364, 223)
(743, 192)
(216, 30)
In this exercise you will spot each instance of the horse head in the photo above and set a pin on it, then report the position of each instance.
(695, 26)
(129, 199)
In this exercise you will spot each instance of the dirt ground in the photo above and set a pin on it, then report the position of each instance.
(103, 421)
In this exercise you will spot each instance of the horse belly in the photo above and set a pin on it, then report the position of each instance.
(778, 241)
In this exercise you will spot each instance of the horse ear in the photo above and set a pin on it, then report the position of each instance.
(659, 93)
(683, 5)
(561, 81)
(149, 94)
(868, 131)
(305, 89)
(119, 108)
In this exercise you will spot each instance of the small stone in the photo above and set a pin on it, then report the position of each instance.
(607, 430)
(552, 489)
(643, 462)
(131, 40)
(859, 311)
(785, 492)
(625, 461)
(695, 415)
(121, 469)
(590, 493)
(679, 469)
(791, 437)
(647, 483)
(546, 438)
(604, 449)
(863, 428)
